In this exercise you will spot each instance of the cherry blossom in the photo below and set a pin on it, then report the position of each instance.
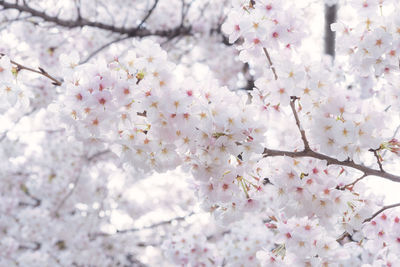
(198, 133)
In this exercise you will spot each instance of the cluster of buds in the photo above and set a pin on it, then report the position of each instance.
(393, 146)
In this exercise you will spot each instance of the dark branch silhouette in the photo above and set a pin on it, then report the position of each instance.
(137, 31)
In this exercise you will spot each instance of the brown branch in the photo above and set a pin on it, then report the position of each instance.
(81, 22)
(296, 116)
(270, 63)
(378, 158)
(381, 210)
(331, 161)
(41, 71)
(343, 236)
(353, 183)
(307, 152)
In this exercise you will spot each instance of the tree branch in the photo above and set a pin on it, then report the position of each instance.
(65, 198)
(270, 63)
(148, 14)
(307, 152)
(4, 134)
(296, 116)
(381, 210)
(378, 158)
(103, 47)
(41, 71)
(98, 154)
(78, 9)
(353, 183)
(343, 236)
(331, 161)
(81, 22)
(76, 180)
(181, 218)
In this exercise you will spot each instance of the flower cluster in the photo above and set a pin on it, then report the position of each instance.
(309, 188)
(263, 24)
(382, 243)
(151, 121)
(191, 249)
(11, 94)
(371, 46)
(345, 130)
(302, 242)
(239, 247)
(236, 245)
(255, 158)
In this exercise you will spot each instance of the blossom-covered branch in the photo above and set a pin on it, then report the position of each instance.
(382, 210)
(307, 152)
(347, 163)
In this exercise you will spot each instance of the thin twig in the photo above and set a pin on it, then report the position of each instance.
(41, 71)
(27, 193)
(353, 183)
(270, 63)
(98, 154)
(184, 10)
(381, 210)
(149, 12)
(296, 116)
(75, 182)
(65, 198)
(378, 158)
(3, 136)
(180, 218)
(78, 9)
(103, 47)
